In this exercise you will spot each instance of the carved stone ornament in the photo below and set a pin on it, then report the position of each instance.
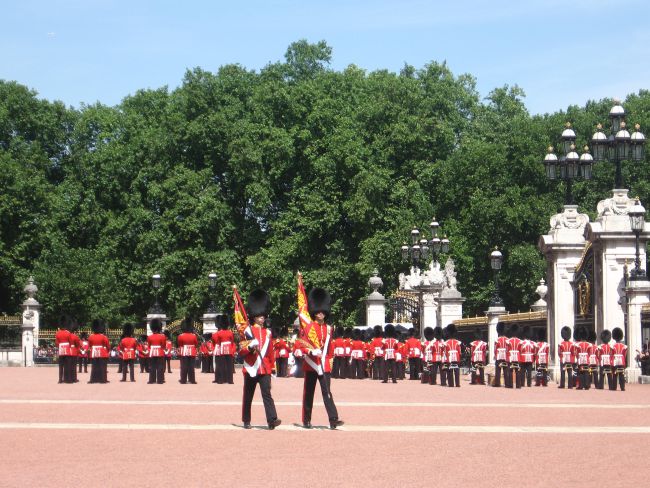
(375, 281)
(29, 315)
(569, 219)
(450, 274)
(428, 299)
(619, 204)
(435, 275)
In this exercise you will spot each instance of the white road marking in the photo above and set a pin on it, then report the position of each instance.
(444, 429)
(612, 406)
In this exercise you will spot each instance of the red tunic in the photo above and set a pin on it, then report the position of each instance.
(75, 344)
(501, 349)
(565, 352)
(224, 343)
(389, 345)
(168, 348)
(593, 355)
(281, 348)
(619, 355)
(376, 347)
(127, 348)
(513, 350)
(62, 342)
(83, 348)
(527, 351)
(478, 351)
(187, 344)
(438, 350)
(338, 345)
(323, 333)
(542, 353)
(99, 345)
(414, 347)
(157, 344)
(582, 353)
(259, 361)
(453, 349)
(606, 355)
(358, 349)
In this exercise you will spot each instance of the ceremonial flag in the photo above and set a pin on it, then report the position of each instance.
(241, 320)
(303, 314)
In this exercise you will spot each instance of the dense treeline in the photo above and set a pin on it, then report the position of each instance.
(258, 174)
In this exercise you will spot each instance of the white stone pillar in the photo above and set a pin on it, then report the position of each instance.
(638, 294)
(562, 247)
(32, 309)
(209, 320)
(375, 302)
(27, 343)
(451, 306)
(493, 315)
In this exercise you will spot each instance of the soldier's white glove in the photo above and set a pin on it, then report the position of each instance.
(316, 353)
(253, 344)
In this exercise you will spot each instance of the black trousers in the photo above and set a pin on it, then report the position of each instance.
(541, 375)
(605, 373)
(390, 365)
(98, 370)
(309, 386)
(82, 361)
(120, 365)
(453, 373)
(378, 367)
(478, 374)
(500, 367)
(444, 371)
(168, 362)
(336, 366)
(300, 372)
(358, 369)
(128, 364)
(566, 375)
(224, 370)
(514, 370)
(250, 384)
(620, 376)
(281, 367)
(144, 364)
(527, 373)
(187, 369)
(415, 365)
(157, 370)
(434, 370)
(585, 378)
(593, 376)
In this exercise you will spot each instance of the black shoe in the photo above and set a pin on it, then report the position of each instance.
(384, 381)
(274, 423)
(214, 381)
(181, 382)
(151, 382)
(247, 425)
(335, 423)
(306, 425)
(121, 381)
(192, 382)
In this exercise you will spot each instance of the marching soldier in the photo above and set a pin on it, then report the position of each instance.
(453, 348)
(258, 360)
(414, 355)
(75, 346)
(224, 350)
(527, 349)
(565, 352)
(128, 346)
(157, 342)
(427, 352)
(187, 343)
(478, 356)
(582, 357)
(281, 355)
(377, 353)
(605, 356)
(593, 358)
(514, 367)
(390, 346)
(619, 355)
(143, 353)
(62, 343)
(437, 350)
(543, 349)
(99, 347)
(501, 355)
(168, 352)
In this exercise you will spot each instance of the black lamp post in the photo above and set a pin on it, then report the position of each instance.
(155, 283)
(421, 250)
(637, 222)
(212, 282)
(496, 260)
(620, 145)
(570, 165)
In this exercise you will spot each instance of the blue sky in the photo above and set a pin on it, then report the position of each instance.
(560, 52)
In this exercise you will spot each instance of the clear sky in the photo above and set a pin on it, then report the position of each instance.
(560, 52)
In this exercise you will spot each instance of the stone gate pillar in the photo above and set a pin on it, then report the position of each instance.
(493, 315)
(638, 294)
(375, 302)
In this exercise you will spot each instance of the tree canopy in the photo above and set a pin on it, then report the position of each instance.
(256, 175)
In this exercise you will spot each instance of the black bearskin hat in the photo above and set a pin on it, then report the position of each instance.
(207, 336)
(577, 333)
(451, 331)
(605, 336)
(428, 333)
(97, 326)
(389, 330)
(83, 336)
(377, 331)
(437, 332)
(347, 334)
(156, 326)
(356, 334)
(64, 322)
(566, 333)
(445, 334)
(127, 330)
(514, 331)
(340, 332)
(476, 335)
(617, 334)
(259, 303)
(591, 336)
(541, 335)
(187, 325)
(319, 300)
(501, 329)
(222, 322)
(526, 332)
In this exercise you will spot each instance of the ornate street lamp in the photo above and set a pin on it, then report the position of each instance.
(637, 222)
(496, 260)
(570, 165)
(620, 145)
(155, 283)
(212, 282)
(421, 250)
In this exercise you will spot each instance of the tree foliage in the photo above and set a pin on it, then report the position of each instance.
(256, 175)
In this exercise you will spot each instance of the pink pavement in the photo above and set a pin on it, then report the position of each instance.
(497, 436)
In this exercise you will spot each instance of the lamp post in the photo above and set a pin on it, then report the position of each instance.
(421, 250)
(637, 222)
(155, 283)
(496, 260)
(620, 145)
(569, 166)
(212, 282)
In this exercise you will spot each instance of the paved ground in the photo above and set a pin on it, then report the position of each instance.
(403, 434)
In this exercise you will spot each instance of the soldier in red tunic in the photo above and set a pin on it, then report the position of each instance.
(203, 351)
(75, 346)
(565, 352)
(281, 349)
(453, 348)
(187, 343)
(128, 347)
(62, 343)
(414, 355)
(83, 353)
(593, 358)
(338, 345)
(377, 353)
(156, 342)
(224, 350)
(542, 357)
(501, 355)
(143, 353)
(358, 356)
(619, 356)
(478, 356)
(514, 359)
(390, 346)
(527, 350)
(437, 350)
(169, 346)
(316, 344)
(99, 347)
(582, 358)
(258, 360)
(605, 357)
